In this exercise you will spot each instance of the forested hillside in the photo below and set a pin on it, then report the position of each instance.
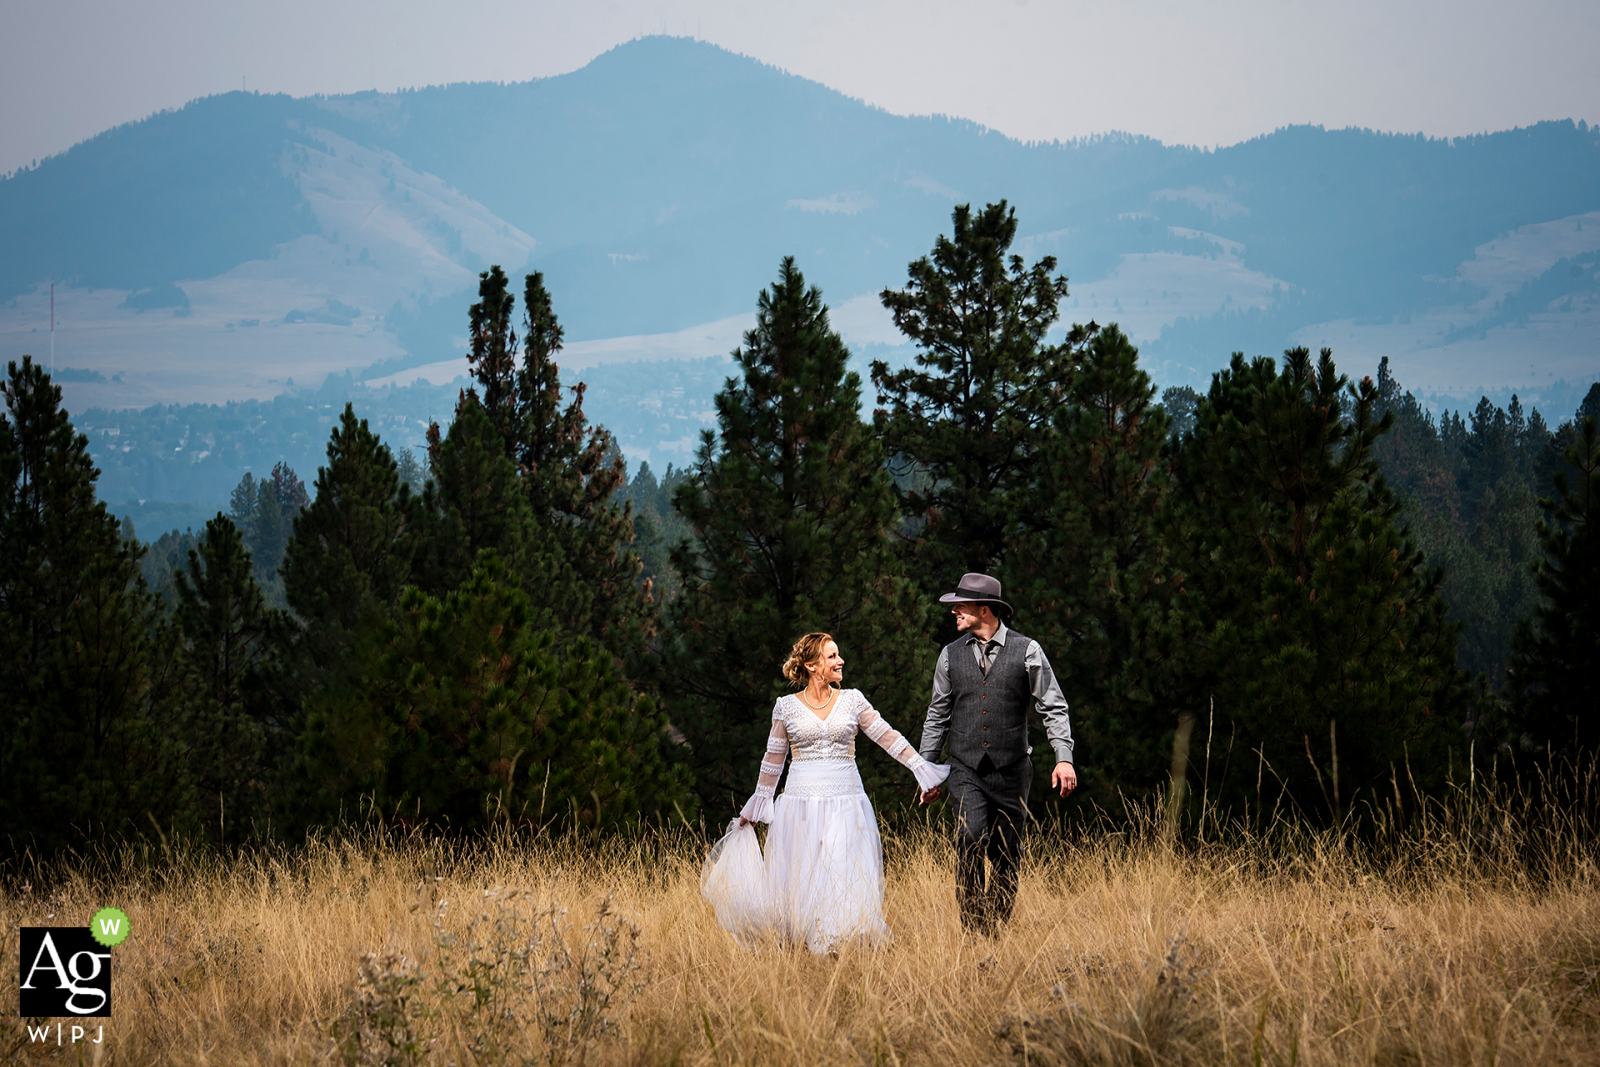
(503, 628)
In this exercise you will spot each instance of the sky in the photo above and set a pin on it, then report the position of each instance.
(1183, 71)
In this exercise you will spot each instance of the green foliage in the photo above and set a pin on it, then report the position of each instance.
(792, 508)
(161, 560)
(493, 358)
(263, 512)
(1314, 624)
(568, 470)
(477, 505)
(1556, 698)
(1468, 492)
(658, 527)
(1180, 404)
(90, 722)
(474, 642)
(351, 551)
(458, 711)
(969, 417)
(1088, 573)
(232, 639)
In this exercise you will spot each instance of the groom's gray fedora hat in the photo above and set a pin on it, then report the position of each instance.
(977, 589)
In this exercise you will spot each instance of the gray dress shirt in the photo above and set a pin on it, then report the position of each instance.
(1047, 698)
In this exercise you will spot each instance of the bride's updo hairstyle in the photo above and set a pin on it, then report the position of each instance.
(805, 652)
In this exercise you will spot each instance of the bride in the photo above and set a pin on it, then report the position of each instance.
(821, 879)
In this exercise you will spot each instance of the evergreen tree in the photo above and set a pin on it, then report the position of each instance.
(1556, 699)
(1468, 497)
(658, 528)
(478, 505)
(291, 491)
(1180, 403)
(460, 712)
(569, 470)
(352, 550)
(231, 637)
(411, 471)
(964, 425)
(91, 714)
(162, 559)
(791, 508)
(263, 511)
(1090, 577)
(271, 529)
(493, 358)
(1315, 625)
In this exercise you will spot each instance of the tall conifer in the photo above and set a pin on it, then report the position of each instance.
(91, 716)
(963, 427)
(569, 470)
(1556, 680)
(1314, 622)
(792, 509)
(232, 638)
(1090, 574)
(478, 505)
(460, 711)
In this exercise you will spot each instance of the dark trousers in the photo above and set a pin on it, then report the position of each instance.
(991, 817)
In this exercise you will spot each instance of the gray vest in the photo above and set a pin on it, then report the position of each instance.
(989, 715)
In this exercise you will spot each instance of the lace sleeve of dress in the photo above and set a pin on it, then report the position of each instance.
(759, 807)
(878, 730)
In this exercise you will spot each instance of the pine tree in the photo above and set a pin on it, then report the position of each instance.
(1556, 699)
(1468, 496)
(231, 637)
(569, 470)
(460, 712)
(292, 495)
(658, 528)
(1317, 628)
(263, 511)
(493, 358)
(91, 715)
(478, 505)
(963, 426)
(792, 509)
(1180, 402)
(351, 552)
(1090, 576)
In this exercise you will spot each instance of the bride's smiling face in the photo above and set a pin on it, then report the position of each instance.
(829, 667)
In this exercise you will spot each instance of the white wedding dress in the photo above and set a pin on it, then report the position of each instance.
(820, 880)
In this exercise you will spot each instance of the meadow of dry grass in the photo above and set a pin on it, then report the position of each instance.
(1470, 937)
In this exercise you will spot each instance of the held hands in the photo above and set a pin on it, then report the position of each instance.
(1064, 778)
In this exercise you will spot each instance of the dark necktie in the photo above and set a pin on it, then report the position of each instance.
(983, 656)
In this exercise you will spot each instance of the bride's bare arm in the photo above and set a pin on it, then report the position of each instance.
(759, 807)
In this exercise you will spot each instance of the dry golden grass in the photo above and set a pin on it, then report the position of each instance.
(1432, 946)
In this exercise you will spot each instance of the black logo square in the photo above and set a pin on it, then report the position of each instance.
(64, 971)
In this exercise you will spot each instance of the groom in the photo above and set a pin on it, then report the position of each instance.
(983, 687)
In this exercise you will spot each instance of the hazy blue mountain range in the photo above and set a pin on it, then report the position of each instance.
(229, 249)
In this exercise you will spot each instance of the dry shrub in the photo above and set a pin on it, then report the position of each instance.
(1463, 931)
